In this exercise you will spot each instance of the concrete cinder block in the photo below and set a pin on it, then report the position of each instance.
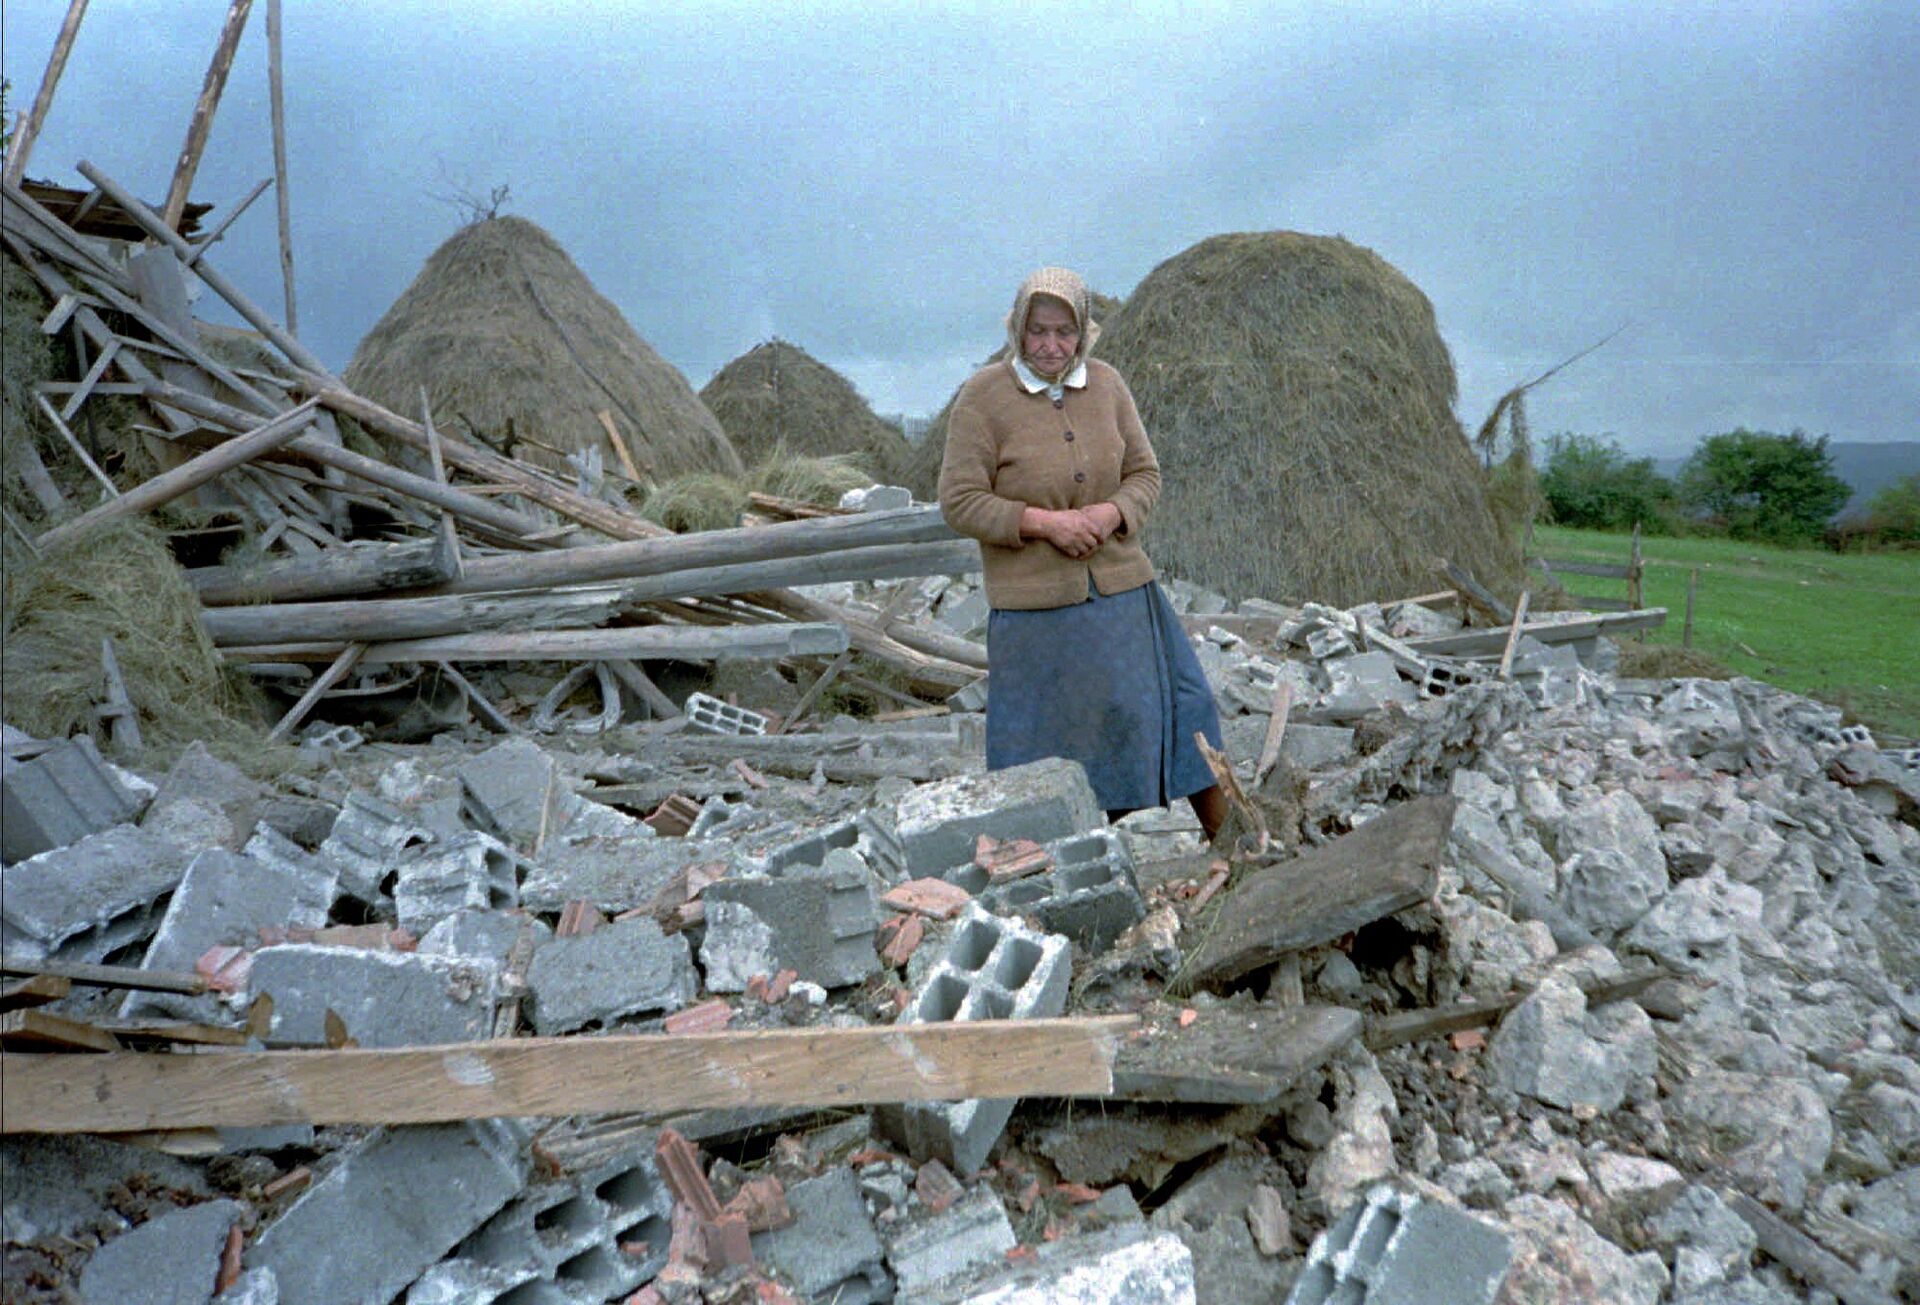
(627, 967)
(483, 935)
(205, 800)
(370, 839)
(817, 920)
(605, 857)
(1394, 1248)
(870, 833)
(1118, 1266)
(386, 999)
(1363, 683)
(396, 1203)
(964, 1238)
(1089, 895)
(169, 1260)
(708, 714)
(225, 899)
(938, 823)
(58, 798)
(969, 697)
(993, 968)
(1315, 747)
(830, 1251)
(470, 870)
(516, 792)
(579, 1238)
(89, 900)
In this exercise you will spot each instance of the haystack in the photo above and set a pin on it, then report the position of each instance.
(922, 474)
(777, 395)
(518, 350)
(1300, 399)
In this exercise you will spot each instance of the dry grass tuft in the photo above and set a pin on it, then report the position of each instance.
(1666, 661)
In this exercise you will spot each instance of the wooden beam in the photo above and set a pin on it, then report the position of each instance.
(358, 568)
(207, 241)
(1488, 643)
(35, 991)
(29, 129)
(189, 475)
(691, 643)
(485, 710)
(200, 125)
(1475, 592)
(1391, 1030)
(109, 976)
(38, 1030)
(382, 620)
(1806, 1257)
(1513, 634)
(1385, 865)
(807, 699)
(276, 92)
(890, 562)
(123, 720)
(1228, 1055)
(1276, 732)
(334, 673)
(563, 1076)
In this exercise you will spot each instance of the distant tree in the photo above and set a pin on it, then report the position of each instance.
(1760, 485)
(1590, 481)
(1894, 514)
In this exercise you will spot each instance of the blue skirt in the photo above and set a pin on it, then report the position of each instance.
(1111, 683)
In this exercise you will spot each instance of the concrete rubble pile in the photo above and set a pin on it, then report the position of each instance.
(1743, 1126)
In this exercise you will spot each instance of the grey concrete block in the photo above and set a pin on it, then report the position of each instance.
(870, 833)
(370, 839)
(576, 1237)
(225, 899)
(969, 697)
(605, 857)
(470, 870)
(386, 999)
(1363, 683)
(967, 1236)
(169, 1260)
(626, 967)
(817, 920)
(877, 498)
(830, 1251)
(1315, 747)
(516, 792)
(966, 614)
(993, 968)
(202, 791)
(709, 715)
(1118, 1266)
(482, 935)
(1089, 895)
(938, 823)
(1393, 1248)
(395, 1204)
(89, 900)
(58, 798)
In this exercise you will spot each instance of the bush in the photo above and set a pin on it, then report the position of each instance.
(1893, 516)
(1759, 485)
(1590, 481)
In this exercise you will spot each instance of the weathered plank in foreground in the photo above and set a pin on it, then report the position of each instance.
(1228, 1055)
(1384, 866)
(121, 1092)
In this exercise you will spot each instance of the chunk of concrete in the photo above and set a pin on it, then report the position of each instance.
(817, 920)
(90, 899)
(1361, 683)
(370, 839)
(1088, 894)
(830, 1251)
(482, 935)
(1614, 870)
(394, 1204)
(1394, 1248)
(710, 715)
(516, 792)
(386, 999)
(1772, 1135)
(605, 857)
(939, 823)
(470, 870)
(204, 800)
(225, 899)
(58, 798)
(1553, 1048)
(1128, 1265)
(626, 967)
(169, 1260)
(964, 1238)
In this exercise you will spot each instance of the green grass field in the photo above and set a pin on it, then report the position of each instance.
(1844, 628)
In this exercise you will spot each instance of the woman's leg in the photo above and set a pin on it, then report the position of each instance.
(1210, 804)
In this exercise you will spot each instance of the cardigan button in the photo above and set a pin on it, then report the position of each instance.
(1069, 437)
(1079, 477)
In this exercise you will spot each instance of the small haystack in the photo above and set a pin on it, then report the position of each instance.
(777, 395)
(922, 473)
(1300, 399)
(517, 349)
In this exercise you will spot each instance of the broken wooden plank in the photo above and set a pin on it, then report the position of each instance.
(38, 1030)
(563, 1076)
(1476, 593)
(189, 475)
(1488, 643)
(200, 125)
(37, 990)
(694, 643)
(212, 237)
(123, 722)
(1234, 1054)
(1410, 1026)
(278, 100)
(109, 976)
(381, 620)
(1604, 570)
(184, 1032)
(1276, 732)
(1513, 634)
(807, 699)
(491, 715)
(1806, 1257)
(334, 673)
(23, 137)
(1385, 865)
(663, 707)
(358, 568)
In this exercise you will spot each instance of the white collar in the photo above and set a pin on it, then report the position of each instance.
(1032, 382)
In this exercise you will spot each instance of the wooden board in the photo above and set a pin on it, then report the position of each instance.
(1384, 866)
(35, 991)
(560, 1076)
(164, 1031)
(1478, 643)
(110, 976)
(1232, 1054)
(37, 1030)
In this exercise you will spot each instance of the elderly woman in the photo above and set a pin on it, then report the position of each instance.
(1047, 465)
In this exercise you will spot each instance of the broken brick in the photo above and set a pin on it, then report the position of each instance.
(1009, 859)
(936, 1186)
(762, 1202)
(225, 968)
(1078, 1193)
(1467, 1040)
(578, 918)
(708, 1017)
(904, 934)
(780, 985)
(931, 897)
(674, 816)
(680, 1169)
(753, 777)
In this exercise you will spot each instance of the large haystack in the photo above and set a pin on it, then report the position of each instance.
(777, 395)
(922, 474)
(1301, 401)
(516, 348)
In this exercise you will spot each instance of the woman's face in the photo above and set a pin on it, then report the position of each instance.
(1051, 337)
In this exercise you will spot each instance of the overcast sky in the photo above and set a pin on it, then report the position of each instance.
(1738, 185)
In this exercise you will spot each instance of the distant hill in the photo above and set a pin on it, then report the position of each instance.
(1866, 467)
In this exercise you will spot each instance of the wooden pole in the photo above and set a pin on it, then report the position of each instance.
(642, 684)
(29, 128)
(688, 643)
(1513, 634)
(485, 710)
(371, 620)
(1276, 733)
(276, 89)
(189, 475)
(328, 678)
(123, 722)
(959, 1060)
(359, 568)
(814, 690)
(449, 536)
(1634, 568)
(200, 126)
(212, 238)
(1686, 629)
(1471, 590)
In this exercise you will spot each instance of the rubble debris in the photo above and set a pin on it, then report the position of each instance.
(623, 968)
(712, 716)
(168, 1260)
(830, 1252)
(386, 999)
(939, 824)
(817, 921)
(1394, 1246)
(89, 900)
(58, 798)
(964, 1236)
(1127, 1265)
(470, 870)
(1081, 887)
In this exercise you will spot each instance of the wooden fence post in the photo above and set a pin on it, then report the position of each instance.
(1686, 630)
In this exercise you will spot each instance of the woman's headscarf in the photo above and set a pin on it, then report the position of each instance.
(1068, 288)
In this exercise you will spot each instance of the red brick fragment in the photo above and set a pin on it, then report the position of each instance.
(680, 1169)
(905, 940)
(707, 1017)
(931, 897)
(753, 777)
(293, 1180)
(578, 918)
(762, 1202)
(1215, 882)
(1188, 1016)
(772, 1293)
(728, 1242)
(647, 1295)
(780, 985)
(1018, 1254)
(674, 816)
(230, 1260)
(1078, 1193)
(1467, 1039)
(936, 1186)
(757, 987)
(226, 969)
(1013, 858)
(868, 1155)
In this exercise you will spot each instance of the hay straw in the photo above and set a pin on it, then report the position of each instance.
(778, 396)
(512, 340)
(788, 474)
(701, 500)
(119, 581)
